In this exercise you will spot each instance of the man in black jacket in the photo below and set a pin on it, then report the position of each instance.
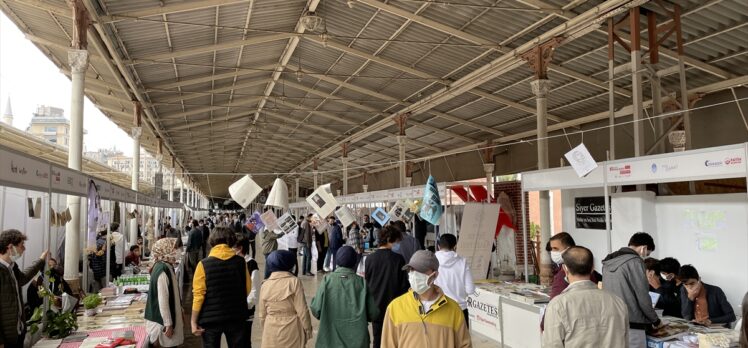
(194, 247)
(703, 303)
(667, 284)
(12, 318)
(385, 277)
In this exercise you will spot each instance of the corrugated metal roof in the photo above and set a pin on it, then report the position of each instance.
(714, 33)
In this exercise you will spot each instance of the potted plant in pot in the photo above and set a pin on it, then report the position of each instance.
(90, 303)
(54, 322)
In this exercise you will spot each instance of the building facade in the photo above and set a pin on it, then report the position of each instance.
(50, 124)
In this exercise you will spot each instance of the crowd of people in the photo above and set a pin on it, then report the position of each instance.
(412, 297)
(621, 314)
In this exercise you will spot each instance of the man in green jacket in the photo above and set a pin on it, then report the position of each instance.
(343, 305)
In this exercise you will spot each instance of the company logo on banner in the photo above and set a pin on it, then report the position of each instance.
(620, 171)
(710, 163)
(733, 161)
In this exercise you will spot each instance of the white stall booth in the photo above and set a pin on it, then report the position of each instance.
(33, 199)
(707, 231)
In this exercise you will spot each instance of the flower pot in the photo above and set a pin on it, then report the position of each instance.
(90, 312)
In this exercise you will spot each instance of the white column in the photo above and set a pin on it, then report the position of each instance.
(401, 141)
(316, 175)
(181, 190)
(78, 60)
(298, 191)
(488, 168)
(540, 88)
(136, 132)
(345, 175)
(365, 188)
(171, 185)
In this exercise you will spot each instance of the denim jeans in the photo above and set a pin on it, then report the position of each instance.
(328, 256)
(306, 261)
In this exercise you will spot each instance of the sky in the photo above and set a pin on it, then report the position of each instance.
(31, 79)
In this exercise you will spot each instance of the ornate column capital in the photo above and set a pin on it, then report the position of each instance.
(402, 139)
(488, 167)
(541, 87)
(78, 60)
(136, 132)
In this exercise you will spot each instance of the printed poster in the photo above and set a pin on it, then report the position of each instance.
(322, 201)
(256, 220)
(431, 209)
(397, 211)
(380, 216)
(270, 220)
(581, 160)
(287, 223)
(345, 215)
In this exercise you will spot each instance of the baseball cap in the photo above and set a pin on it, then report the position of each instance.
(422, 261)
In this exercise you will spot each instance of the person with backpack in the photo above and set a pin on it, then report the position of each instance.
(305, 240)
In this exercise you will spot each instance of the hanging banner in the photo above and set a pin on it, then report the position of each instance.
(287, 223)
(589, 212)
(431, 209)
(397, 211)
(581, 160)
(244, 191)
(319, 223)
(322, 201)
(380, 216)
(94, 208)
(278, 196)
(256, 220)
(411, 208)
(270, 220)
(345, 215)
(67, 181)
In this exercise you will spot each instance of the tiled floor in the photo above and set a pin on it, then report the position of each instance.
(310, 288)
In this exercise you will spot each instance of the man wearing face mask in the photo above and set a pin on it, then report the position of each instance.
(424, 316)
(625, 276)
(668, 286)
(559, 243)
(12, 327)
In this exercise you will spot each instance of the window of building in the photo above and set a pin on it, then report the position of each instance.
(50, 129)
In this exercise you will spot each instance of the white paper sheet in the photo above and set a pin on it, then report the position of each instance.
(287, 223)
(270, 220)
(581, 160)
(278, 196)
(244, 191)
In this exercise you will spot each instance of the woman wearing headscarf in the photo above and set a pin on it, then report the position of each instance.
(344, 298)
(282, 307)
(163, 312)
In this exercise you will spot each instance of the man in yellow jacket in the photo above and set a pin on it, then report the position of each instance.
(220, 290)
(424, 316)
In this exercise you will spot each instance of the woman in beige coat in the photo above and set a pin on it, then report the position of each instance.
(282, 308)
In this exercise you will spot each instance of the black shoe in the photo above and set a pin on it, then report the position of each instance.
(310, 274)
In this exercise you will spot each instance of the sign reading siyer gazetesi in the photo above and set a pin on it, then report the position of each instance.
(589, 212)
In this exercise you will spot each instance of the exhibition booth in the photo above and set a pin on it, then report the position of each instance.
(33, 199)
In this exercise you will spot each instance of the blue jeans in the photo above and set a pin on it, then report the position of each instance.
(306, 261)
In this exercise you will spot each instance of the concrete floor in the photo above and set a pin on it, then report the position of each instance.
(310, 288)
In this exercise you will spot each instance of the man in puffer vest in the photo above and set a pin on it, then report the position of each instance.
(220, 290)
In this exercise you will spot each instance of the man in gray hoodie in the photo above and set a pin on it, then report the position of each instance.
(624, 274)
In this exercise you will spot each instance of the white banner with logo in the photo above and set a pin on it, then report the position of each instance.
(485, 317)
(716, 162)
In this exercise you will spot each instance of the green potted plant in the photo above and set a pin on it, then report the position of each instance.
(55, 323)
(90, 303)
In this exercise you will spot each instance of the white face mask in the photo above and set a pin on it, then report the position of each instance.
(556, 257)
(14, 254)
(419, 282)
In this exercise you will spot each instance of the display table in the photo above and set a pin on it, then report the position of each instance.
(680, 333)
(512, 320)
(119, 314)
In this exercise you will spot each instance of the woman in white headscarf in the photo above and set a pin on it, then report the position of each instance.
(163, 311)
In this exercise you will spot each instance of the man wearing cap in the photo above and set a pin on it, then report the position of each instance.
(424, 316)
